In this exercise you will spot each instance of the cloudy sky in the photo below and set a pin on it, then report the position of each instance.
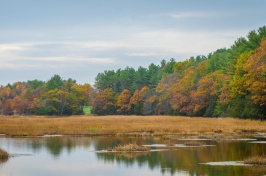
(80, 38)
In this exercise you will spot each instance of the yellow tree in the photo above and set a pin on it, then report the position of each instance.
(52, 101)
(4, 93)
(123, 102)
(82, 92)
(238, 84)
(180, 92)
(164, 96)
(138, 99)
(255, 76)
(203, 99)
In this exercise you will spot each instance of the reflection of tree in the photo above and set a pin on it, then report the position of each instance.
(131, 155)
(55, 145)
(2, 161)
(172, 161)
(188, 159)
(69, 145)
(35, 144)
(256, 170)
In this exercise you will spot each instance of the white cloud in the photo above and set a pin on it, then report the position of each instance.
(159, 43)
(144, 54)
(164, 43)
(101, 45)
(82, 60)
(182, 15)
(4, 65)
(98, 60)
(13, 47)
(9, 47)
(186, 15)
(24, 63)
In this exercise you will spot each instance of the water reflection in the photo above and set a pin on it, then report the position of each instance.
(176, 160)
(65, 152)
(56, 145)
(2, 161)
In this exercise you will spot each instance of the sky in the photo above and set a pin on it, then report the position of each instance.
(80, 38)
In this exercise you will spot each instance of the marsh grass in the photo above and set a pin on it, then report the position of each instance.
(3, 154)
(131, 148)
(194, 143)
(256, 160)
(128, 126)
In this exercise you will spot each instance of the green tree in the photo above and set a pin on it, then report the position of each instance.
(56, 82)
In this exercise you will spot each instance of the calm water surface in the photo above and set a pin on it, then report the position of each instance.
(65, 156)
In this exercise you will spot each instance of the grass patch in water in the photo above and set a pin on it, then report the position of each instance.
(194, 143)
(3, 154)
(131, 148)
(256, 160)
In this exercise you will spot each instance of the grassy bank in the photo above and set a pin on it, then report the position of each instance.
(129, 125)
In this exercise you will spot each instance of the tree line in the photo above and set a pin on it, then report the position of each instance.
(228, 82)
(54, 97)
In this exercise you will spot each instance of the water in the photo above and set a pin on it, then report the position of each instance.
(65, 156)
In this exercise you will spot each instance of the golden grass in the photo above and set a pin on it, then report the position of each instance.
(257, 160)
(194, 143)
(131, 148)
(127, 125)
(3, 155)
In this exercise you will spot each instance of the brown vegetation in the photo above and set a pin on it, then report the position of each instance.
(128, 125)
(131, 148)
(257, 160)
(194, 143)
(3, 155)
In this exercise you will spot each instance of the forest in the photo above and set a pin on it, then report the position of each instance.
(229, 82)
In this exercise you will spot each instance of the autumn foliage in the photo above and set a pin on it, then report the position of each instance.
(55, 97)
(228, 82)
